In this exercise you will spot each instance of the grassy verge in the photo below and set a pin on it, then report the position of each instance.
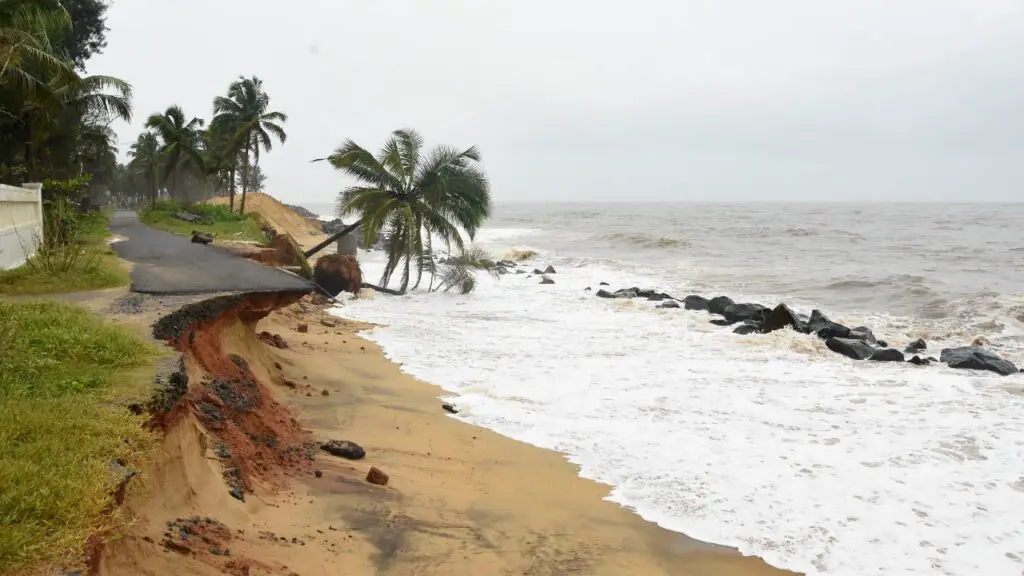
(104, 270)
(65, 380)
(217, 220)
(81, 260)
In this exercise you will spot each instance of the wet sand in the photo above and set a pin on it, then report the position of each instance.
(461, 499)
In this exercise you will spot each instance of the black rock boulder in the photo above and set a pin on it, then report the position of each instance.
(718, 304)
(343, 449)
(694, 302)
(887, 355)
(745, 311)
(974, 358)
(781, 317)
(856, 349)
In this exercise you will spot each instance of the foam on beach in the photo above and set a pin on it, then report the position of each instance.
(767, 443)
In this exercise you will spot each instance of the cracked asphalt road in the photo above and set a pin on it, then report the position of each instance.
(169, 264)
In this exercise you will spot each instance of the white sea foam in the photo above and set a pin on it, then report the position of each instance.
(767, 443)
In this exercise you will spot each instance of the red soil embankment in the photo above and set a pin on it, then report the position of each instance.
(227, 374)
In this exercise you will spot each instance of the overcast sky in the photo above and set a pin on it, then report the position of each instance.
(605, 101)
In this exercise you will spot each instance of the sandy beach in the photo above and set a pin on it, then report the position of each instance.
(460, 500)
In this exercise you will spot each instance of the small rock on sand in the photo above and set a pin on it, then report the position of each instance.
(302, 328)
(376, 476)
(450, 408)
(343, 449)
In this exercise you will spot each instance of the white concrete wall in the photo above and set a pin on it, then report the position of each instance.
(348, 243)
(21, 223)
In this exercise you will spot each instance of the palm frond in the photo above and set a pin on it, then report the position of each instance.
(358, 163)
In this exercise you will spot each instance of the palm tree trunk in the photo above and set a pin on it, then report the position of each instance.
(245, 179)
(382, 289)
(405, 276)
(231, 187)
(334, 238)
(156, 187)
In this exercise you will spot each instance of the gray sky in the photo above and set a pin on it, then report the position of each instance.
(603, 101)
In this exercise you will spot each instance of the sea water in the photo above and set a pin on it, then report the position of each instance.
(768, 443)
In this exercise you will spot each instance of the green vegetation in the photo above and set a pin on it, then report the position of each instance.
(243, 115)
(74, 257)
(218, 220)
(409, 198)
(181, 158)
(54, 120)
(93, 273)
(460, 271)
(66, 379)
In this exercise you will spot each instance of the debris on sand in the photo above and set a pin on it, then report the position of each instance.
(376, 476)
(343, 449)
(274, 340)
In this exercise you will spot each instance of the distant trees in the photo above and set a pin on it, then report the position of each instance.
(195, 160)
(245, 111)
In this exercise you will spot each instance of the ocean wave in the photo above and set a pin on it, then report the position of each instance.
(645, 240)
(896, 280)
(792, 453)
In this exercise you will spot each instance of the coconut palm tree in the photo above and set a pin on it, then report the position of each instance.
(221, 156)
(54, 121)
(27, 57)
(411, 198)
(246, 108)
(181, 141)
(70, 114)
(145, 162)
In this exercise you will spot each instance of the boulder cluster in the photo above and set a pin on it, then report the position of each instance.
(858, 342)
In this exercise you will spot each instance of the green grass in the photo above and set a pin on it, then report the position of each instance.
(93, 227)
(94, 267)
(219, 221)
(65, 380)
(104, 270)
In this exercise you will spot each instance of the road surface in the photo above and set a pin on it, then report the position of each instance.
(169, 264)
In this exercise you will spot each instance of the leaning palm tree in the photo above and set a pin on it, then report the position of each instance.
(411, 199)
(246, 109)
(181, 141)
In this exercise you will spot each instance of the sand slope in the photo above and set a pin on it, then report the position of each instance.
(281, 217)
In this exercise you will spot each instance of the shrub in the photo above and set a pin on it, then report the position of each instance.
(215, 212)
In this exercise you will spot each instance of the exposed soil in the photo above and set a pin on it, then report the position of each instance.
(430, 496)
(226, 375)
(280, 217)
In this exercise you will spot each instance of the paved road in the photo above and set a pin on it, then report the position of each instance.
(169, 264)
